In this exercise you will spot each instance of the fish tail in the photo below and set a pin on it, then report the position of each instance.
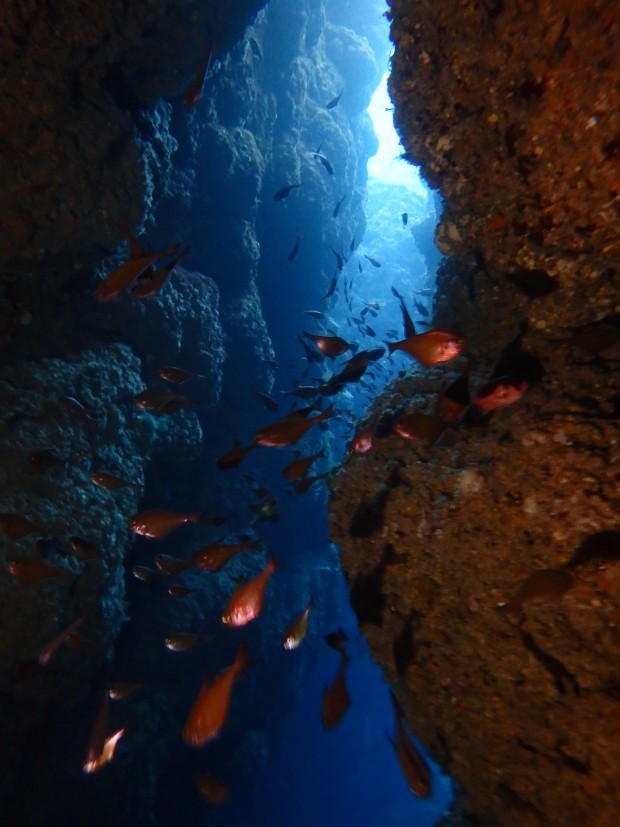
(327, 413)
(272, 563)
(242, 661)
(391, 347)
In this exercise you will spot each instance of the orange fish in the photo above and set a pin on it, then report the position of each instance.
(499, 393)
(429, 348)
(182, 641)
(170, 566)
(297, 629)
(420, 427)
(48, 652)
(454, 399)
(151, 281)
(330, 346)
(210, 710)
(362, 442)
(157, 522)
(288, 431)
(414, 767)
(336, 698)
(234, 457)
(29, 570)
(247, 601)
(101, 749)
(211, 788)
(122, 277)
(215, 555)
(122, 691)
(298, 468)
(194, 90)
(177, 376)
(14, 526)
(109, 481)
(162, 402)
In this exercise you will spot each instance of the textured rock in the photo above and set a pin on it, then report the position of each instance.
(498, 106)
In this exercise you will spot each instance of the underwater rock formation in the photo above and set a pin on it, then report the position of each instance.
(484, 571)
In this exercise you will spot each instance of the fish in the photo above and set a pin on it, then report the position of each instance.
(334, 101)
(338, 205)
(177, 376)
(325, 161)
(281, 194)
(454, 399)
(353, 370)
(330, 346)
(101, 749)
(415, 769)
(297, 629)
(151, 281)
(373, 261)
(122, 691)
(210, 710)
(337, 640)
(405, 218)
(194, 90)
(331, 291)
(339, 259)
(109, 481)
(429, 348)
(234, 457)
(84, 549)
(14, 526)
(362, 442)
(32, 569)
(170, 566)
(268, 401)
(216, 555)
(420, 308)
(303, 391)
(370, 331)
(288, 431)
(180, 591)
(182, 641)
(499, 393)
(211, 788)
(316, 314)
(420, 427)
(267, 510)
(545, 583)
(77, 410)
(294, 249)
(42, 460)
(407, 320)
(48, 651)
(143, 573)
(298, 468)
(121, 278)
(336, 699)
(157, 522)
(246, 604)
(256, 50)
(161, 402)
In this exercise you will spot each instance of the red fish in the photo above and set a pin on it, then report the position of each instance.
(171, 566)
(194, 90)
(215, 555)
(48, 652)
(288, 431)
(234, 457)
(414, 767)
(161, 402)
(122, 277)
(429, 348)
(29, 570)
(499, 393)
(14, 526)
(331, 346)
(101, 749)
(336, 699)
(177, 376)
(362, 442)
(298, 468)
(151, 281)
(420, 427)
(109, 481)
(158, 522)
(246, 604)
(210, 710)
(297, 629)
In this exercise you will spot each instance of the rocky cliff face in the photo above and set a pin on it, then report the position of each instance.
(484, 568)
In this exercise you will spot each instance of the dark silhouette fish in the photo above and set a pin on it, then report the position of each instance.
(325, 161)
(295, 249)
(338, 205)
(285, 191)
(330, 292)
(373, 261)
(415, 769)
(336, 699)
(194, 90)
(405, 218)
(268, 401)
(334, 101)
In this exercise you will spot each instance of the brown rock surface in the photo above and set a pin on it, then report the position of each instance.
(511, 111)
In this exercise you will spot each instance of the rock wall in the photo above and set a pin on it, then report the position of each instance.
(509, 681)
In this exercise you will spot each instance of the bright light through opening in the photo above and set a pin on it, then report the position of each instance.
(385, 165)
